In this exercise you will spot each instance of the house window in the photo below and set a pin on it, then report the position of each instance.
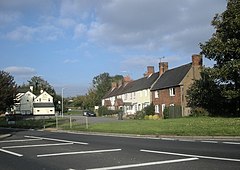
(125, 96)
(156, 94)
(40, 100)
(172, 91)
(134, 95)
(49, 99)
(171, 104)
(156, 109)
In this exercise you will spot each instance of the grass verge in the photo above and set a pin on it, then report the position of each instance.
(188, 126)
(200, 126)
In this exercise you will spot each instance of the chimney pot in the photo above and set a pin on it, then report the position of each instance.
(163, 66)
(196, 60)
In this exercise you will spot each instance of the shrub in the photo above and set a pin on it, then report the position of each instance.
(199, 111)
(155, 117)
(102, 110)
(146, 117)
(149, 110)
(139, 115)
(166, 113)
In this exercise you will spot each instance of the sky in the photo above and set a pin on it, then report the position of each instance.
(69, 42)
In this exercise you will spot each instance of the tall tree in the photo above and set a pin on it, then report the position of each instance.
(101, 85)
(39, 84)
(7, 90)
(224, 48)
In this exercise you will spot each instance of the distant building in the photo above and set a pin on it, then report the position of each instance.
(29, 104)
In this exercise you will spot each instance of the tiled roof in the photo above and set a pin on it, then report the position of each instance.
(136, 85)
(171, 77)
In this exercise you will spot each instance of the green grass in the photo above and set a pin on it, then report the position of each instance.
(201, 126)
(189, 126)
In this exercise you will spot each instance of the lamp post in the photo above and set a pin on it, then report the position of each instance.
(62, 101)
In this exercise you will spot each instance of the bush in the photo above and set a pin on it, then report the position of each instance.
(156, 117)
(198, 111)
(146, 117)
(102, 110)
(149, 110)
(139, 115)
(166, 113)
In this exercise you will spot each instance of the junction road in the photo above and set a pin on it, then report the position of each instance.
(68, 151)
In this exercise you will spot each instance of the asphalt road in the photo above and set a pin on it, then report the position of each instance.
(69, 151)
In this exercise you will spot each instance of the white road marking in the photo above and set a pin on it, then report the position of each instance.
(232, 143)
(168, 139)
(188, 155)
(145, 164)
(58, 140)
(186, 140)
(19, 140)
(81, 152)
(12, 153)
(209, 141)
(40, 145)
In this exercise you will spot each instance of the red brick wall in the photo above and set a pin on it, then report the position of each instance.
(165, 98)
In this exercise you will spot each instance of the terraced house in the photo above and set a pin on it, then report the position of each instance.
(167, 87)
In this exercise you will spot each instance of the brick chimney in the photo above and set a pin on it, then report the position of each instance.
(127, 79)
(114, 85)
(163, 66)
(150, 70)
(196, 60)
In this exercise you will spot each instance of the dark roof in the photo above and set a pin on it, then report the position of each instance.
(43, 105)
(172, 78)
(136, 85)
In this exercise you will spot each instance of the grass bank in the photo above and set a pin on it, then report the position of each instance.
(200, 126)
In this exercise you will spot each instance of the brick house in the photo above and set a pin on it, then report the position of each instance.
(171, 87)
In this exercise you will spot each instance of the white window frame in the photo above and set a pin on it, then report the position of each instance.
(163, 107)
(156, 109)
(156, 94)
(172, 91)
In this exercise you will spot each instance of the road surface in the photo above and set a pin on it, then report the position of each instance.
(28, 149)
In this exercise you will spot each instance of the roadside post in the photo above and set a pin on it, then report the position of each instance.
(86, 122)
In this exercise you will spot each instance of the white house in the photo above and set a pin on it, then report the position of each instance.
(29, 104)
(43, 105)
(24, 103)
(131, 96)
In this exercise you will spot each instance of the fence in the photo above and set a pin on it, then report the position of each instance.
(173, 112)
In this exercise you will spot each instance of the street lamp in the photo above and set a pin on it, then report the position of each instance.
(62, 101)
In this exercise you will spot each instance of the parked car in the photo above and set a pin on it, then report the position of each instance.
(89, 113)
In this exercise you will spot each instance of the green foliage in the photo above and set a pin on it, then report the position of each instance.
(224, 48)
(7, 90)
(139, 115)
(101, 85)
(166, 113)
(205, 93)
(149, 110)
(198, 112)
(102, 110)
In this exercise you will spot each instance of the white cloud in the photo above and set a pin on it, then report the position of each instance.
(71, 61)
(153, 24)
(20, 71)
(40, 33)
(79, 30)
